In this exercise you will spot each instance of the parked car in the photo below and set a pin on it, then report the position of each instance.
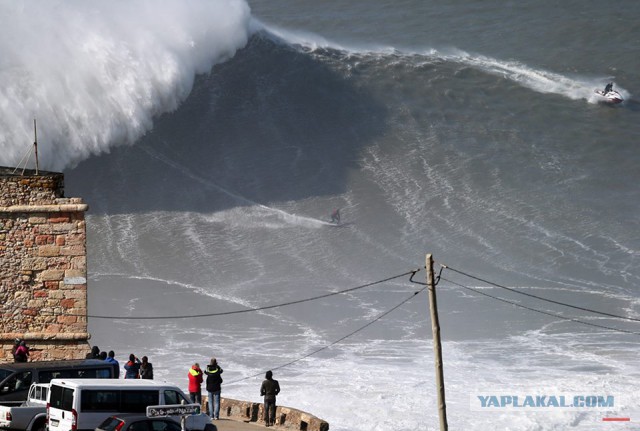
(83, 404)
(16, 378)
(137, 422)
(30, 415)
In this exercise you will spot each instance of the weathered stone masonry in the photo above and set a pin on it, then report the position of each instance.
(43, 266)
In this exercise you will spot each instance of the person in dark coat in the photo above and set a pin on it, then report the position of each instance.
(146, 369)
(269, 389)
(16, 344)
(214, 382)
(94, 354)
(132, 368)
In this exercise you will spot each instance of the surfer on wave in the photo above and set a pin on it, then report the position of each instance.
(335, 216)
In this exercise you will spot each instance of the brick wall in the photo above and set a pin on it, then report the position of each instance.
(43, 267)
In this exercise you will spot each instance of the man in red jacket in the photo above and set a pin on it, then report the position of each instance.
(195, 380)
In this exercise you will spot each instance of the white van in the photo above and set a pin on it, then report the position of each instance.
(83, 404)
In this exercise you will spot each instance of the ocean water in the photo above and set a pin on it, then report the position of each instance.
(212, 140)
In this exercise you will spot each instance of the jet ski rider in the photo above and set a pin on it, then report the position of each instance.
(608, 88)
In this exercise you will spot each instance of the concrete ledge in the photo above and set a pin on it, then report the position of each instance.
(286, 417)
(64, 208)
(33, 336)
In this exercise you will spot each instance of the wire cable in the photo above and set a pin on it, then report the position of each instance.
(251, 310)
(564, 304)
(27, 156)
(559, 316)
(335, 342)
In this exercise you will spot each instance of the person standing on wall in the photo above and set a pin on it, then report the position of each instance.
(132, 368)
(214, 382)
(269, 389)
(146, 369)
(195, 380)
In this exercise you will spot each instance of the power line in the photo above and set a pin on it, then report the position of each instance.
(559, 316)
(251, 310)
(602, 313)
(335, 342)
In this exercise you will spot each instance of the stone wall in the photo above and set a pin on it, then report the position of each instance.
(43, 267)
(286, 417)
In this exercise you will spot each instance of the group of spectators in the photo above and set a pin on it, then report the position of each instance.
(138, 369)
(134, 368)
(213, 385)
(143, 369)
(269, 389)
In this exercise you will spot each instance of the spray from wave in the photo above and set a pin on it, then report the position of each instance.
(94, 74)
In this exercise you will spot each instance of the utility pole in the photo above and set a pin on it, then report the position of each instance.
(435, 329)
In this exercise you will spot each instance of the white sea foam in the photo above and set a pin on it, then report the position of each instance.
(390, 385)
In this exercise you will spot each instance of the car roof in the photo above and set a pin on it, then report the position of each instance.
(17, 366)
(113, 383)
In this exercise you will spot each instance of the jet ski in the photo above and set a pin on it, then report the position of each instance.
(611, 96)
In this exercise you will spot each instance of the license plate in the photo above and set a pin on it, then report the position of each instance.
(55, 422)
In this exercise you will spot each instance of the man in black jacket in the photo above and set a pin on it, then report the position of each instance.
(269, 389)
(214, 386)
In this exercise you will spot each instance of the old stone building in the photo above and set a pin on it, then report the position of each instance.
(43, 266)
